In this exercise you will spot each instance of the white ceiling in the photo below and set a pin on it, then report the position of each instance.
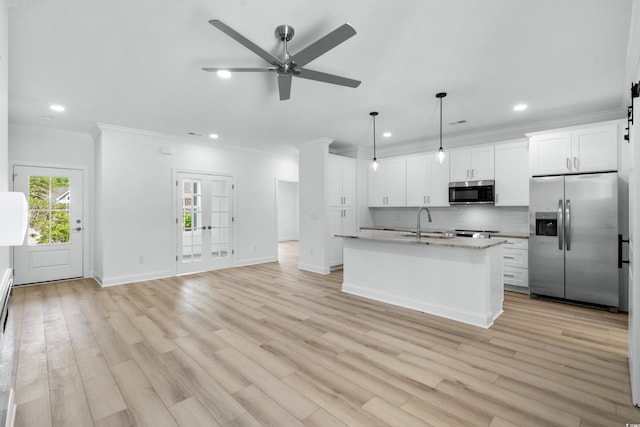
(136, 63)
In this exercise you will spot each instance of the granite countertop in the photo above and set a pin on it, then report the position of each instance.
(504, 234)
(385, 235)
(513, 234)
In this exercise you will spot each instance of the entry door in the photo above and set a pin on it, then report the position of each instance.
(204, 222)
(53, 247)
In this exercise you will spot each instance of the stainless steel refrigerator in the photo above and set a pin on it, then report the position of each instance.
(573, 238)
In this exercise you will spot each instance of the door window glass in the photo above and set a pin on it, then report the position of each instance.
(49, 204)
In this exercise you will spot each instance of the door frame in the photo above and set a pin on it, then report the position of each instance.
(174, 204)
(87, 212)
(277, 204)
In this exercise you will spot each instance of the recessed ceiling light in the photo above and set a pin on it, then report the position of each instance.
(520, 107)
(224, 74)
(57, 107)
(387, 134)
(213, 135)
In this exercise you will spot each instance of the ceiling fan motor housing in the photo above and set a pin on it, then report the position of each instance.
(284, 32)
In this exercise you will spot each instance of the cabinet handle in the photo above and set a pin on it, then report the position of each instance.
(496, 198)
(575, 163)
(467, 173)
(508, 257)
(472, 172)
(424, 199)
(568, 163)
(509, 275)
(429, 199)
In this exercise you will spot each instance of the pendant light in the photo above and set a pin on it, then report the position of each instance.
(374, 165)
(441, 151)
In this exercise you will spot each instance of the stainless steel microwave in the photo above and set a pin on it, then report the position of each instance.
(472, 192)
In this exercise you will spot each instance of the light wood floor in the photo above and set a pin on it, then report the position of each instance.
(272, 345)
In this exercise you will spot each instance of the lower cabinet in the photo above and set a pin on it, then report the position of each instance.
(341, 221)
(516, 263)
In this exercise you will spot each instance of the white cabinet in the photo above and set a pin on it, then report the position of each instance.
(342, 220)
(512, 174)
(341, 196)
(471, 164)
(516, 263)
(388, 184)
(417, 179)
(437, 180)
(577, 150)
(341, 181)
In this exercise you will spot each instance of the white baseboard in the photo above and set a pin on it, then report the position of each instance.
(254, 261)
(483, 320)
(314, 268)
(132, 278)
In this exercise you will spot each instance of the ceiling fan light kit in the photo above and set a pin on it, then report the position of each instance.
(289, 66)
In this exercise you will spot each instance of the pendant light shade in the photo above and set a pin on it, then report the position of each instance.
(441, 151)
(374, 165)
(14, 217)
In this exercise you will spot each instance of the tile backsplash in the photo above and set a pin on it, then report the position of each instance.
(475, 217)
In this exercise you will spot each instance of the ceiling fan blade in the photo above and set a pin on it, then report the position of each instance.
(324, 44)
(245, 42)
(284, 86)
(240, 70)
(326, 78)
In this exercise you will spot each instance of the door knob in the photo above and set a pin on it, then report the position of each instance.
(77, 229)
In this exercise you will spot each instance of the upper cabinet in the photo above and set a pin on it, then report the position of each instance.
(388, 184)
(512, 174)
(341, 181)
(576, 150)
(471, 164)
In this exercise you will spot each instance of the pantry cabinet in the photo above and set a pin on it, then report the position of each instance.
(471, 164)
(341, 198)
(574, 150)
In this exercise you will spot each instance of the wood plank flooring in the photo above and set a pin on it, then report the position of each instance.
(271, 345)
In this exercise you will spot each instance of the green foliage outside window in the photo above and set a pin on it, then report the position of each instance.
(48, 209)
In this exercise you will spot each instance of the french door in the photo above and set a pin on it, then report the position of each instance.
(204, 222)
(53, 247)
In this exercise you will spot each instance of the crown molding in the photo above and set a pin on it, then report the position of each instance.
(50, 130)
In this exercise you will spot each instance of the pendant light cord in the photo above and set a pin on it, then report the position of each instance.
(374, 114)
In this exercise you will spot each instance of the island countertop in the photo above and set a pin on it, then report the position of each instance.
(403, 237)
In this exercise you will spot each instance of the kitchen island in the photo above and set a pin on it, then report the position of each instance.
(458, 278)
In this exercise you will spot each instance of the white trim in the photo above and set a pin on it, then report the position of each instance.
(319, 269)
(13, 126)
(132, 278)
(483, 320)
(254, 261)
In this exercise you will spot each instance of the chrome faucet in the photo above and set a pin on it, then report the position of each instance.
(418, 225)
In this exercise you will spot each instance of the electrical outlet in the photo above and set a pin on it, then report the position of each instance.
(141, 259)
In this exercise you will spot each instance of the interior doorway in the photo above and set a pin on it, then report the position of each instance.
(287, 203)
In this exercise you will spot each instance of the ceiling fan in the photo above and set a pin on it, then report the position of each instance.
(289, 65)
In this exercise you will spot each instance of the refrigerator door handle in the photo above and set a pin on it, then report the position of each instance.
(560, 224)
(567, 228)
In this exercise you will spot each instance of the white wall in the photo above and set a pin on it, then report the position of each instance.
(136, 199)
(4, 88)
(288, 223)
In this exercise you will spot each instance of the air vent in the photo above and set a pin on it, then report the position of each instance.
(195, 134)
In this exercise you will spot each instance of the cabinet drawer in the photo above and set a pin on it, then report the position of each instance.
(513, 243)
(516, 277)
(516, 258)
